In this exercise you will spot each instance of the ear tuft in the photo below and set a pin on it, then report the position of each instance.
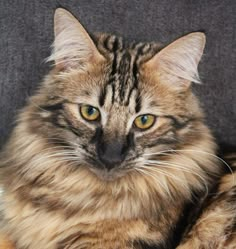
(178, 62)
(72, 46)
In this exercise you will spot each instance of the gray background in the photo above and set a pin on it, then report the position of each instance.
(26, 33)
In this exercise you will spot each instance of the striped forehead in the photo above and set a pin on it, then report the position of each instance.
(123, 77)
(122, 84)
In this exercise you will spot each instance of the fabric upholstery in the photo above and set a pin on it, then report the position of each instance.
(26, 33)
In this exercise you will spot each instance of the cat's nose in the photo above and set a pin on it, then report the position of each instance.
(111, 154)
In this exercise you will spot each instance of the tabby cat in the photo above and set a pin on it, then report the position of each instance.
(112, 151)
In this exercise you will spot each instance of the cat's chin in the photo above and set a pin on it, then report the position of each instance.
(109, 175)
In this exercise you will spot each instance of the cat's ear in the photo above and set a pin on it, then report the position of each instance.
(72, 46)
(177, 63)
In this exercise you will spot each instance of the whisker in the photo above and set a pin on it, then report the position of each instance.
(180, 168)
(165, 174)
(156, 179)
(173, 166)
(62, 156)
(197, 151)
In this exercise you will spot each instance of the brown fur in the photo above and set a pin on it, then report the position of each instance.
(54, 197)
(216, 226)
(5, 242)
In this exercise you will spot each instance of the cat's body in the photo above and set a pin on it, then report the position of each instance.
(70, 181)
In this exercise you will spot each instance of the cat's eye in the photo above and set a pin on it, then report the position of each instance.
(89, 113)
(144, 122)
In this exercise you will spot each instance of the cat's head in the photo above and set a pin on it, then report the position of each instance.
(113, 106)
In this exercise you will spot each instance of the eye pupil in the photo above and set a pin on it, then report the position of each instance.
(90, 110)
(144, 119)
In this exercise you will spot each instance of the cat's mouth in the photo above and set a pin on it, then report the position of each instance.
(109, 173)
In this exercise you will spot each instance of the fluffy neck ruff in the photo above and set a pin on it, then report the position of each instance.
(30, 173)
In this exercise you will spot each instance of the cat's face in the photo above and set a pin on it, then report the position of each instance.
(114, 107)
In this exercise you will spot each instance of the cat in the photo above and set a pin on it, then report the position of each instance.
(113, 152)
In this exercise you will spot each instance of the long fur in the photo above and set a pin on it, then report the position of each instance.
(56, 191)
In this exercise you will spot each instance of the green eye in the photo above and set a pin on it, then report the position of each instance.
(89, 112)
(144, 122)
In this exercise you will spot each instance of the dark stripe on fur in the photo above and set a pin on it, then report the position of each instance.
(177, 124)
(106, 42)
(102, 96)
(196, 209)
(161, 141)
(138, 101)
(162, 245)
(68, 126)
(52, 108)
(124, 74)
(114, 62)
(190, 213)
